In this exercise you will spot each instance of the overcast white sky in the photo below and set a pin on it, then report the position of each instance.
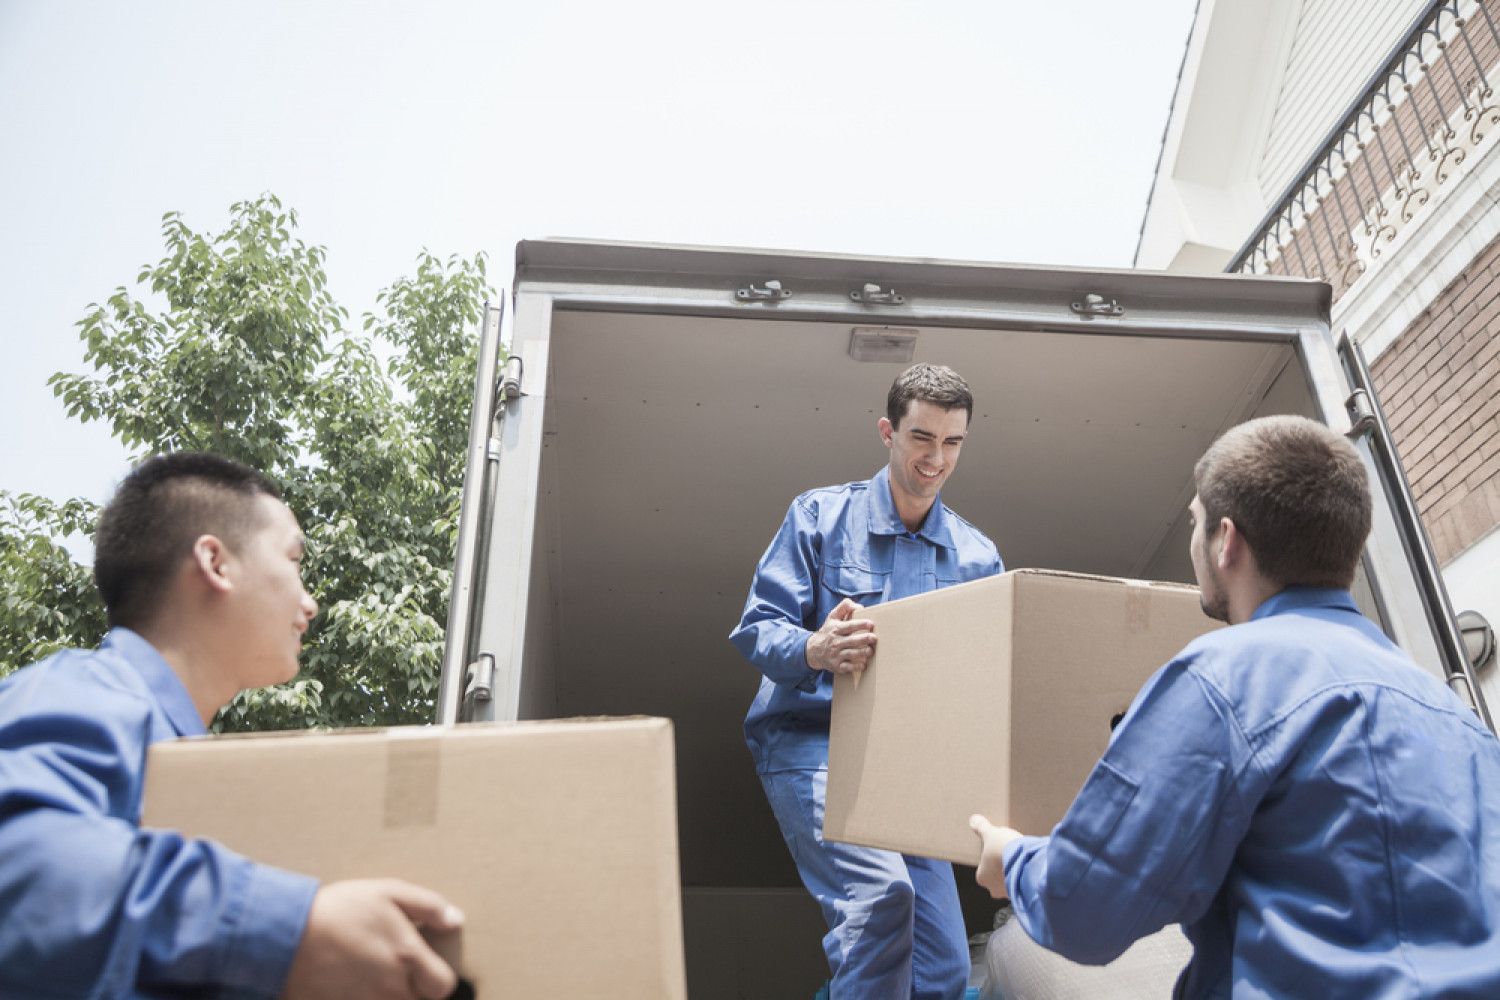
(997, 130)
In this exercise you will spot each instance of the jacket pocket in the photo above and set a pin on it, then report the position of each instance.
(860, 585)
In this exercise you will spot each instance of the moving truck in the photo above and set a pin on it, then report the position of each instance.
(643, 416)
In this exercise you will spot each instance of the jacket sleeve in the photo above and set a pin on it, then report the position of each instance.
(1150, 837)
(779, 613)
(97, 907)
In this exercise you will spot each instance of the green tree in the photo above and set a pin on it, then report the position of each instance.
(49, 600)
(237, 347)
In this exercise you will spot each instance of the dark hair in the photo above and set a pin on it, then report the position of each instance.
(161, 508)
(1297, 491)
(931, 384)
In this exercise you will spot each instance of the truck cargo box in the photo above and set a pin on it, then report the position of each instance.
(644, 415)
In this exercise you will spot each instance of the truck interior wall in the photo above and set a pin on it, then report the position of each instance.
(1286, 392)
(752, 943)
(674, 444)
(539, 670)
(1280, 390)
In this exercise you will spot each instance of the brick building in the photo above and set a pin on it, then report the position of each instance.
(1358, 142)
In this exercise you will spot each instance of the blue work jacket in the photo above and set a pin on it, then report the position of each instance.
(837, 542)
(91, 905)
(1319, 813)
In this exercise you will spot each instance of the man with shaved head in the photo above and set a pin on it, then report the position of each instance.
(199, 564)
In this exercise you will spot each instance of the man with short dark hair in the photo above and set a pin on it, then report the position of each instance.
(895, 928)
(1319, 813)
(198, 563)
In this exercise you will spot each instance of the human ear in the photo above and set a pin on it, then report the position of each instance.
(886, 430)
(1231, 542)
(210, 555)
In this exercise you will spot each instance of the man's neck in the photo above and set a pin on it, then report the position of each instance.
(1246, 598)
(186, 656)
(911, 510)
(913, 521)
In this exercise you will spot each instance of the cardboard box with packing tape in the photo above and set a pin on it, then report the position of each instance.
(992, 697)
(558, 840)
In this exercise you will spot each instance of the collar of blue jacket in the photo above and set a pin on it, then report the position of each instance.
(159, 676)
(1294, 598)
(885, 521)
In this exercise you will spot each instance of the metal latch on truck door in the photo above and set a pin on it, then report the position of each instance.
(872, 294)
(1092, 305)
(769, 291)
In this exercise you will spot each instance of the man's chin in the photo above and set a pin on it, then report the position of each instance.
(1217, 610)
(285, 675)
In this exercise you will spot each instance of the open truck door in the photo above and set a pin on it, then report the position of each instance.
(641, 427)
(466, 685)
(1403, 534)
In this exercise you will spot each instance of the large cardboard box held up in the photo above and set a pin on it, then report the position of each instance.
(991, 697)
(558, 840)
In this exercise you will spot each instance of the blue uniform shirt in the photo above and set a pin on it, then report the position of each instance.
(1321, 815)
(838, 542)
(91, 905)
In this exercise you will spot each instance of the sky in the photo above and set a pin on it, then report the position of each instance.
(993, 131)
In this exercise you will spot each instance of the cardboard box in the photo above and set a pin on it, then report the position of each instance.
(558, 839)
(992, 697)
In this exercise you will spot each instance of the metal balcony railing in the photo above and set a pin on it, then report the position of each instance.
(1427, 109)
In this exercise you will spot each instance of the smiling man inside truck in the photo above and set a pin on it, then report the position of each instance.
(1320, 814)
(894, 925)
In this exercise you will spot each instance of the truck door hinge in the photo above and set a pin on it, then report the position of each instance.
(872, 294)
(1361, 414)
(511, 375)
(1092, 305)
(770, 292)
(479, 679)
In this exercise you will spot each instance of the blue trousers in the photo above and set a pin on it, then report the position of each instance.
(895, 930)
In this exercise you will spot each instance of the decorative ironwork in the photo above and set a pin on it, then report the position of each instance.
(1421, 116)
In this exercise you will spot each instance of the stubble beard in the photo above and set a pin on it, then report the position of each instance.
(1217, 606)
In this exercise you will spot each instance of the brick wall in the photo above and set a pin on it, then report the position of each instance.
(1440, 386)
